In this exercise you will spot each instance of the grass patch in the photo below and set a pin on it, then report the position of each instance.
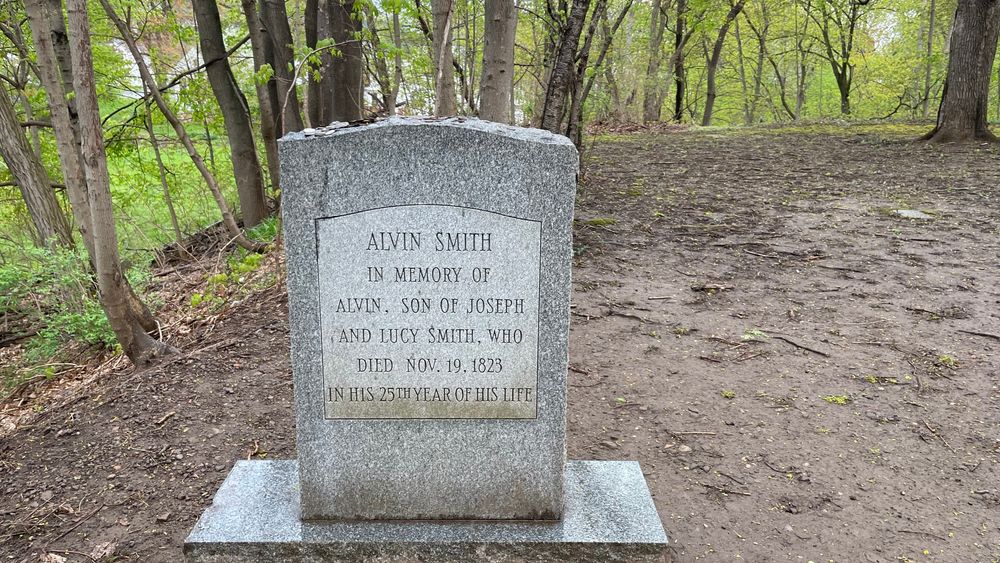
(837, 399)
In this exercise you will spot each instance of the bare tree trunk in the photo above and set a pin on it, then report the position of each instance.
(608, 35)
(713, 62)
(113, 287)
(497, 84)
(348, 66)
(36, 140)
(742, 68)
(48, 33)
(227, 217)
(397, 42)
(574, 129)
(267, 92)
(378, 66)
(929, 59)
(314, 95)
(964, 106)
(680, 74)
(467, 76)
(444, 75)
(801, 70)
(758, 76)
(235, 114)
(651, 98)
(51, 227)
(563, 67)
(178, 235)
(275, 20)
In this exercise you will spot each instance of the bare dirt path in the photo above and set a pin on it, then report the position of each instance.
(795, 366)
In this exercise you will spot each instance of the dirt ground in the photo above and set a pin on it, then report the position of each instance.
(803, 374)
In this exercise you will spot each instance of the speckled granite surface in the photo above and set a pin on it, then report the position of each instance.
(609, 517)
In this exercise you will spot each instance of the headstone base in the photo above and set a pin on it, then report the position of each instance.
(609, 517)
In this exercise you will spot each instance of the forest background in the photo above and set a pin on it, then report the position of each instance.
(144, 123)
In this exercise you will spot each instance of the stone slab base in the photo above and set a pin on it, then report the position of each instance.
(609, 517)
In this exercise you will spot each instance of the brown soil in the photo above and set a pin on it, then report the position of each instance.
(796, 368)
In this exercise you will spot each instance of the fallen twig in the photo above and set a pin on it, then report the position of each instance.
(841, 269)
(724, 490)
(919, 533)
(613, 313)
(165, 418)
(983, 334)
(939, 437)
(800, 346)
(770, 256)
(75, 525)
(710, 287)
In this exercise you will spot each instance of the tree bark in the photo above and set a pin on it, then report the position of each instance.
(397, 71)
(48, 33)
(563, 70)
(113, 288)
(497, 84)
(929, 59)
(680, 74)
(235, 114)
(379, 65)
(164, 185)
(713, 62)
(275, 20)
(51, 227)
(444, 74)
(314, 95)
(964, 105)
(651, 98)
(267, 92)
(227, 217)
(574, 128)
(348, 66)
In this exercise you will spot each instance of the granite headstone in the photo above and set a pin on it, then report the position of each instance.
(429, 284)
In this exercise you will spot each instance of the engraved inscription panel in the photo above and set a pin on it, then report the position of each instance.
(429, 311)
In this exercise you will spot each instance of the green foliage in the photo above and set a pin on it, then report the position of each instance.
(837, 399)
(53, 291)
(266, 231)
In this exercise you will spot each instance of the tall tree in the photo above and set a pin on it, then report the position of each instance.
(51, 227)
(652, 100)
(443, 58)
(929, 58)
(48, 33)
(497, 84)
(113, 288)
(275, 20)
(680, 73)
(838, 22)
(713, 61)
(348, 66)
(563, 68)
(314, 94)
(267, 90)
(235, 113)
(964, 104)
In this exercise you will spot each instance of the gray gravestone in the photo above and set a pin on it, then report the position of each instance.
(429, 283)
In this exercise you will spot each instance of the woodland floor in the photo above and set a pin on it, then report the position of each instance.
(795, 367)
